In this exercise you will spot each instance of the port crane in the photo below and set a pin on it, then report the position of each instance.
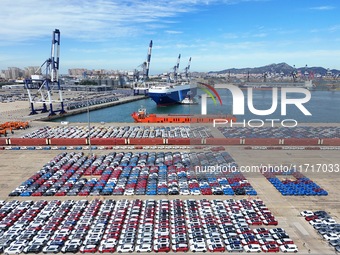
(186, 70)
(174, 71)
(145, 67)
(46, 83)
(176, 67)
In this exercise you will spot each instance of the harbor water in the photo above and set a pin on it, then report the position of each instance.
(323, 105)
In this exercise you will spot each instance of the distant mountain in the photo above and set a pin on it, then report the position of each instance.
(278, 68)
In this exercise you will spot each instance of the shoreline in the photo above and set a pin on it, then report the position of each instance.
(19, 110)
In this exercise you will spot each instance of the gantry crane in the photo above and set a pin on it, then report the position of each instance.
(47, 82)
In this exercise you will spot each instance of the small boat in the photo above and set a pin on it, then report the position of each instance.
(143, 117)
(189, 100)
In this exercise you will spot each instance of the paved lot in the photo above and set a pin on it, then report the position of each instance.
(17, 166)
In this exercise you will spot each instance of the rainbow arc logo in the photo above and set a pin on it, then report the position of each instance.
(208, 91)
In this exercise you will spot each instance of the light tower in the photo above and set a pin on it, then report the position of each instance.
(47, 82)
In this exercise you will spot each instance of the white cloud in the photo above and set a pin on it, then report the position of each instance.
(323, 8)
(173, 32)
(87, 19)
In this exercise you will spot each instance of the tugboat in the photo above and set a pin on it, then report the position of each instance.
(141, 116)
(189, 100)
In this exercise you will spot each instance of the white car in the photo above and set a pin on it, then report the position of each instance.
(330, 237)
(234, 248)
(306, 213)
(276, 230)
(124, 248)
(264, 241)
(14, 249)
(316, 221)
(73, 242)
(252, 248)
(179, 247)
(145, 247)
(184, 192)
(329, 221)
(51, 249)
(198, 247)
(105, 247)
(195, 192)
(288, 248)
(109, 241)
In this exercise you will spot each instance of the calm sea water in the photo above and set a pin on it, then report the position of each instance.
(324, 107)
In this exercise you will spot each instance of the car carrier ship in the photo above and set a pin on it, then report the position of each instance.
(143, 117)
(172, 93)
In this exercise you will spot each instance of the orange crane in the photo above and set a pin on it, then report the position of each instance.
(12, 125)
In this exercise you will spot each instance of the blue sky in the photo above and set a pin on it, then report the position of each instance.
(217, 34)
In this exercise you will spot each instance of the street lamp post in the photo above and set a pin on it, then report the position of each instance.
(88, 118)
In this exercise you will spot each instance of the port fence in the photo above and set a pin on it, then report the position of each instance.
(3, 141)
(171, 141)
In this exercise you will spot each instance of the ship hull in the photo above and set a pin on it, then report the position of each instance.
(174, 118)
(171, 95)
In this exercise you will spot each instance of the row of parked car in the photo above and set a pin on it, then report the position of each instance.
(138, 173)
(138, 226)
(93, 101)
(325, 225)
(280, 132)
(121, 132)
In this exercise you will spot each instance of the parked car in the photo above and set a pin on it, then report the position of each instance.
(289, 248)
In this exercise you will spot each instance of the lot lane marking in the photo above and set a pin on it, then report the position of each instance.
(301, 228)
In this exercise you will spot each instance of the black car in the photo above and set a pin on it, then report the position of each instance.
(321, 213)
(337, 248)
(14, 194)
(240, 191)
(218, 192)
(70, 248)
(34, 248)
(334, 242)
(105, 193)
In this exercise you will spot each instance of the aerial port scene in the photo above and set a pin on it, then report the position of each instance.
(170, 127)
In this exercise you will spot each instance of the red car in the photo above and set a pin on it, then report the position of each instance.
(162, 248)
(285, 241)
(312, 217)
(180, 248)
(270, 248)
(270, 221)
(90, 248)
(60, 193)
